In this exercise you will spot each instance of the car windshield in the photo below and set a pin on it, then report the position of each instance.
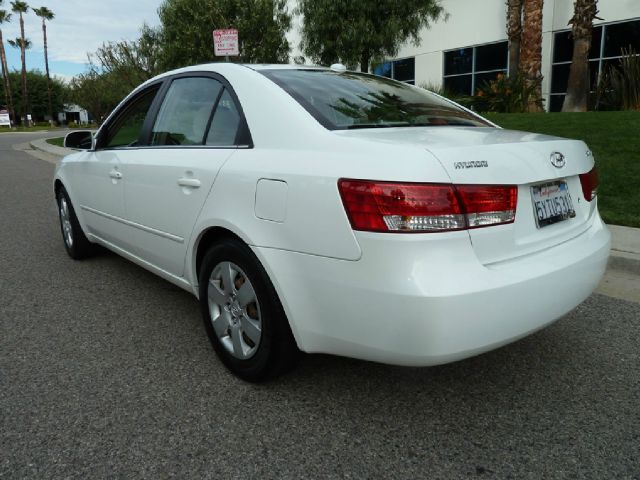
(357, 100)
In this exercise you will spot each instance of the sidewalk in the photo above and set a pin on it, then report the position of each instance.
(625, 240)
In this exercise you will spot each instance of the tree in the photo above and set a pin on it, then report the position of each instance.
(46, 14)
(514, 33)
(358, 31)
(531, 49)
(97, 92)
(5, 17)
(38, 98)
(584, 12)
(21, 8)
(132, 61)
(186, 29)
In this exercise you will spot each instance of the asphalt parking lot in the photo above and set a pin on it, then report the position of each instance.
(106, 371)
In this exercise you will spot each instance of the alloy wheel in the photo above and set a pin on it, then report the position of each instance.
(234, 310)
(65, 221)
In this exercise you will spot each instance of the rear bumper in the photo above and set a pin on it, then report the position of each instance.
(426, 299)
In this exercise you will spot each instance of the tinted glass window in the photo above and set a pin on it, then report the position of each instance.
(357, 100)
(492, 57)
(593, 74)
(556, 103)
(458, 61)
(185, 112)
(596, 41)
(562, 47)
(460, 85)
(405, 69)
(560, 78)
(621, 36)
(125, 131)
(225, 123)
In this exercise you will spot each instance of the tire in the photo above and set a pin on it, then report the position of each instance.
(75, 241)
(243, 316)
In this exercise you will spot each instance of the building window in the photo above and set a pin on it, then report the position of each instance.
(403, 70)
(607, 44)
(467, 69)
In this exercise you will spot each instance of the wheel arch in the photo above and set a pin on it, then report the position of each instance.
(204, 240)
(57, 185)
(207, 237)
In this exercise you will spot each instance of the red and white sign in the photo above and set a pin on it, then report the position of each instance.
(225, 42)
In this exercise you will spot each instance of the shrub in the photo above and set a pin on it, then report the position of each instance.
(619, 87)
(506, 95)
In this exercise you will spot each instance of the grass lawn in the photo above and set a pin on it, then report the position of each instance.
(58, 142)
(27, 129)
(614, 138)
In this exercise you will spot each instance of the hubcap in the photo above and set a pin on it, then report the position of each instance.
(235, 311)
(65, 221)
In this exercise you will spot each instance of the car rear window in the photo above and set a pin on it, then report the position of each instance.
(357, 100)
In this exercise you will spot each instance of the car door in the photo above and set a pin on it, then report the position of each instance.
(100, 179)
(197, 128)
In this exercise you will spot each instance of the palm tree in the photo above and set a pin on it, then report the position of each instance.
(531, 50)
(23, 45)
(46, 14)
(4, 18)
(584, 12)
(514, 33)
(20, 7)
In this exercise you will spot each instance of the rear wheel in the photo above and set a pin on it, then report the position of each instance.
(75, 241)
(243, 315)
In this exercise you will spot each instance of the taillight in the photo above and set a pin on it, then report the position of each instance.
(486, 205)
(589, 182)
(425, 207)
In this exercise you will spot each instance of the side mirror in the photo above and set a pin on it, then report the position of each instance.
(80, 140)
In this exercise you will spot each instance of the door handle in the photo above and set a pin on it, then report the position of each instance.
(189, 182)
(115, 174)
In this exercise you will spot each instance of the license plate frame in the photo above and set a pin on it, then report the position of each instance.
(552, 203)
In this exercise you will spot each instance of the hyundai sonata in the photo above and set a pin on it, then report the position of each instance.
(321, 210)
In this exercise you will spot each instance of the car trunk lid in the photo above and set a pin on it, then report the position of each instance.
(541, 166)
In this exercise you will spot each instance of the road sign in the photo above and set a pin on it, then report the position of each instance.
(225, 42)
(4, 118)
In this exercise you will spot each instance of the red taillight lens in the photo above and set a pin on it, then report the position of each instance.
(589, 182)
(425, 207)
(488, 204)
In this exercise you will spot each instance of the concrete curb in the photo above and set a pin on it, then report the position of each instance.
(42, 145)
(625, 240)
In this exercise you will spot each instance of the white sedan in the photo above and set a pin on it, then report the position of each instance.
(319, 210)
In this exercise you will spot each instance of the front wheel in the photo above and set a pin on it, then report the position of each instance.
(75, 241)
(243, 315)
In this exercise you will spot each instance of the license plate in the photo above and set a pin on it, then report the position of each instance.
(551, 203)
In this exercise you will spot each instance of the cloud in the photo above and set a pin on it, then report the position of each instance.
(62, 77)
(82, 26)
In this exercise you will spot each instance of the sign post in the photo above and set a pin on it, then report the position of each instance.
(225, 43)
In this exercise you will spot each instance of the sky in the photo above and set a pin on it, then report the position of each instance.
(79, 26)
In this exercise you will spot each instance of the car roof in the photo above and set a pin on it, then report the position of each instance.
(229, 66)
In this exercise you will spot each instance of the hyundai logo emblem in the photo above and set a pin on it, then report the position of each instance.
(557, 160)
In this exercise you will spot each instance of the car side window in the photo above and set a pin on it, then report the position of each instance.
(127, 127)
(186, 111)
(225, 123)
